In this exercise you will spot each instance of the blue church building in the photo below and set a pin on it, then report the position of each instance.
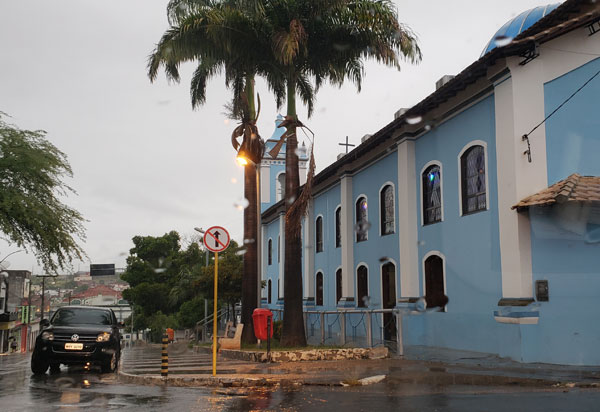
(484, 199)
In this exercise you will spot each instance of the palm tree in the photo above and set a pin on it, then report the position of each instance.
(296, 45)
(212, 33)
(324, 40)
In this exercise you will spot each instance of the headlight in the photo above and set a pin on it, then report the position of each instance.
(47, 336)
(103, 337)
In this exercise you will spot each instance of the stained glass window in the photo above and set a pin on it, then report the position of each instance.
(270, 252)
(432, 195)
(319, 234)
(362, 223)
(338, 227)
(386, 201)
(473, 180)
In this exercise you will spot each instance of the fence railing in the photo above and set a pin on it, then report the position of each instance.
(223, 315)
(357, 328)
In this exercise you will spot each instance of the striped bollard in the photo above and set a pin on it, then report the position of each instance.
(164, 364)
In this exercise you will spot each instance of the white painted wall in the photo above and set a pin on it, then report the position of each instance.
(407, 218)
(347, 228)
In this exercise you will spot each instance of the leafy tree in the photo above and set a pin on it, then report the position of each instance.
(32, 214)
(191, 312)
(158, 323)
(81, 288)
(230, 276)
(167, 284)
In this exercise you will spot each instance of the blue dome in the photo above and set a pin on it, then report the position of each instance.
(517, 25)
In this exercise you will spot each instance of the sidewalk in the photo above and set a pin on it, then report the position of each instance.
(420, 365)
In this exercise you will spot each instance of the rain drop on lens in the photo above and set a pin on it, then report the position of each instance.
(414, 120)
(233, 180)
(226, 121)
(384, 259)
(362, 227)
(502, 41)
(241, 252)
(248, 241)
(241, 204)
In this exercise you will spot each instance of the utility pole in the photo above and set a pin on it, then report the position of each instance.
(44, 290)
(29, 304)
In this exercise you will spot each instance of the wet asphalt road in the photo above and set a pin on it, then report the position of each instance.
(78, 390)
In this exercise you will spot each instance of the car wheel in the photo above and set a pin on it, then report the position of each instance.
(39, 366)
(54, 368)
(110, 365)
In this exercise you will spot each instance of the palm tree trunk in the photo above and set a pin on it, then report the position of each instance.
(292, 333)
(250, 275)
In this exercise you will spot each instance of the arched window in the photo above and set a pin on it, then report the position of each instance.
(388, 285)
(338, 285)
(472, 167)
(319, 233)
(338, 227)
(269, 291)
(386, 204)
(280, 187)
(388, 289)
(434, 283)
(319, 289)
(362, 219)
(362, 286)
(270, 252)
(432, 195)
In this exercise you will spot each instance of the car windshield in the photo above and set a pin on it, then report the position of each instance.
(65, 317)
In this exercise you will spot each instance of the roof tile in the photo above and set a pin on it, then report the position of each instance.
(575, 188)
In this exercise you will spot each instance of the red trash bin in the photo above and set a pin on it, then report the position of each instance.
(259, 318)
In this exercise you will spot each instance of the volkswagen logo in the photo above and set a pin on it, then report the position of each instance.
(75, 337)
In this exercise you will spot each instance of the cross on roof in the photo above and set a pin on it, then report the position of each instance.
(346, 144)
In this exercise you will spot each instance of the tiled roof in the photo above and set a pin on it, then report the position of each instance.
(575, 188)
(96, 291)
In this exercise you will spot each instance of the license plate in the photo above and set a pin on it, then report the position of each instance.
(74, 346)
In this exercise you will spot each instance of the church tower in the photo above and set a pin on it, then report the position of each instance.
(272, 169)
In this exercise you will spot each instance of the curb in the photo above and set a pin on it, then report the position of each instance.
(308, 355)
(203, 381)
(429, 379)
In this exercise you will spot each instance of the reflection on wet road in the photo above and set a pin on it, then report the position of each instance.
(74, 389)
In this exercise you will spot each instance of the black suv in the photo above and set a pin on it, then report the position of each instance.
(78, 335)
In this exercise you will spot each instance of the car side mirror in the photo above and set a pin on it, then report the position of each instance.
(44, 323)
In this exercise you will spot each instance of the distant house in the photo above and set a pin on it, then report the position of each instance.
(97, 295)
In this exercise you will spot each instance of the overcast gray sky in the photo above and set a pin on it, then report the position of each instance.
(144, 163)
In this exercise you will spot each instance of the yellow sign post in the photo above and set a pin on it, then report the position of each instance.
(214, 363)
(216, 239)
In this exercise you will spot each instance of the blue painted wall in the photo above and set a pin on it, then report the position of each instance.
(470, 244)
(566, 253)
(572, 138)
(369, 182)
(330, 259)
(272, 270)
